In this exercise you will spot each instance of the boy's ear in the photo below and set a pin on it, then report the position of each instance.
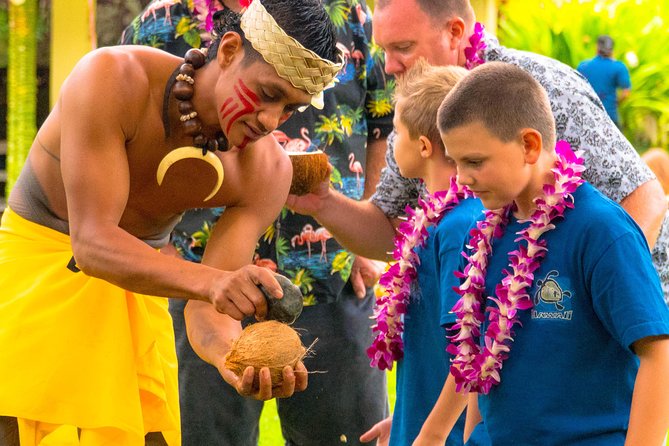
(229, 47)
(532, 144)
(425, 146)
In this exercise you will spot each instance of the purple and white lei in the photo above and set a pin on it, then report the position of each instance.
(397, 280)
(477, 368)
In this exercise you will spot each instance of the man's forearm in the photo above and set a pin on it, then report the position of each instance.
(647, 205)
(360, 226)
(376, 160)
(210, 333)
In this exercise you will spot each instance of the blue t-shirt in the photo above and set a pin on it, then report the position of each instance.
(606, 76)
(422, 372)
(570, 373)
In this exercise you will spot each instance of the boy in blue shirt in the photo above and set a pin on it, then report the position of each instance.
(569, 303)
(420, 154)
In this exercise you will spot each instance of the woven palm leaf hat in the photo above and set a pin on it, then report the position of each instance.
(300, 66)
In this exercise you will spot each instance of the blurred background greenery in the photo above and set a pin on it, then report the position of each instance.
(567, 30)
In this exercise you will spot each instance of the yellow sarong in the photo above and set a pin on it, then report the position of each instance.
(76, 351)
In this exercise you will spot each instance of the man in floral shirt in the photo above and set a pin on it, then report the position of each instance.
(345, 397)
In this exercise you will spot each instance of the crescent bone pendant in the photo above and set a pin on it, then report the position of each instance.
(182, 153)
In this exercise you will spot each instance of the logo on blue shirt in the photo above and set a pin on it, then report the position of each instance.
(550, 300)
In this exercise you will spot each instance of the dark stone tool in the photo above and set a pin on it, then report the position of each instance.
(288, 308)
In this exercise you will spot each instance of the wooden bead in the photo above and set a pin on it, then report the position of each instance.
(211, 145)
(183, 90)
(185, 107)
(199, 140)
(192, 127)
(222, 141)
(187, 69)
(195, 57)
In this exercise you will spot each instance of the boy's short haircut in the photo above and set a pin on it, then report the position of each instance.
(502, 97)
(422, 89)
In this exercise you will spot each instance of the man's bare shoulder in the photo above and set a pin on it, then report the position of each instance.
(124, 72)
(266, 165)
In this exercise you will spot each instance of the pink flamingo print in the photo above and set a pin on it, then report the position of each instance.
(357, 56)
(165, 4)
(362, 17)
(299, 144)
(266, 263)
(321, 235)
(304, 237)
(346, 55)
(282, 138)
(309, 236)
(355, 167)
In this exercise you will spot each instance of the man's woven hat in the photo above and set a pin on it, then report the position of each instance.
(300, 66)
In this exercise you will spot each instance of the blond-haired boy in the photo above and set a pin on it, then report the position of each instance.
(420, 154)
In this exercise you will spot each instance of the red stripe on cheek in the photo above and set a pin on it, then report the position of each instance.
(229, 110)
(248, 107)
(249, 92)
(233, 120)
(245, 141)
(225, 105)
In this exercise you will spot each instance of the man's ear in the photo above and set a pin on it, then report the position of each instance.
(456, 28)
(425, 146)
(229, 47)
(532, 144)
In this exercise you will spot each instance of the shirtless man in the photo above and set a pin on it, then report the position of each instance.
(91, 350)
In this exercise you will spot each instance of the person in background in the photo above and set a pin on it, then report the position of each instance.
(345, 396)
(609, 78)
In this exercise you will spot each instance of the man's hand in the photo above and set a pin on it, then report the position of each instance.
(293, 381)
(312, 202)
(380, 431)
(365, 273)
(237, 293)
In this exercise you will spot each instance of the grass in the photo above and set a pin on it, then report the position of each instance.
(270, 429)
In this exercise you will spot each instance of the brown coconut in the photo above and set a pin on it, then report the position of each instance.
(269, 344)
(309, 170)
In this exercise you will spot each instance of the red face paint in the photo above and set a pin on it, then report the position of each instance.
(245, 98)
(228, 107)
(245, 141)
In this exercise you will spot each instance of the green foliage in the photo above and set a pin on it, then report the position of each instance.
(567, 30)
(21, 86)
(338, 11)
(4, 34)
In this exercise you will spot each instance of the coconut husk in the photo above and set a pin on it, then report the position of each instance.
(269, 344)
(309, 170)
